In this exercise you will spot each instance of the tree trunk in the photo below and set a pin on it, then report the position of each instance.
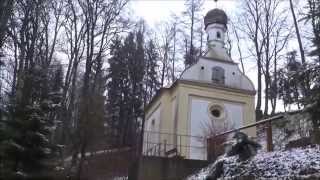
(191, 51)
(297, 33)
(258, 107)
(174, 52)
(201, 40)
(238, 47)
(267, 58)
(275, 85)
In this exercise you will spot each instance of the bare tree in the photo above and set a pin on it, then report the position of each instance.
(251, 18)
(235, 31)
(267, 28)
(279, 43)
(174, 31)
(212, 128)
(164, 45)
(32, 43)
(90, 28)
(276, 33)
(193, 7)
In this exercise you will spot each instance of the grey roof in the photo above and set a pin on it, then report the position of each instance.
(216, 16)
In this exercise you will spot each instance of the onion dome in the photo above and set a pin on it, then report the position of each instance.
(216, 16)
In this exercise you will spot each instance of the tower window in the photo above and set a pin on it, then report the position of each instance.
(218, 75)
(218, 35)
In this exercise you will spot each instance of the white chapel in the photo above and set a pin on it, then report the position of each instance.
(211, 92)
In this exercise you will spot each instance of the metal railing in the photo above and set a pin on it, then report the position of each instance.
(274, 132)
(163, 144)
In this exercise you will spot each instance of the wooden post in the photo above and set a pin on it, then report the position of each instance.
(180, 147)
(214, 148)
(159, 149)
(269, 137)
(205, 148)
(211, 148)
(208, 149)
(165, 146)
(147, 143)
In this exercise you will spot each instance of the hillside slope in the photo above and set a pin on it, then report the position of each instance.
(300, 163)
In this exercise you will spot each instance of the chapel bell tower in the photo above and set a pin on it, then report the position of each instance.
(213, 93)
(216, 27)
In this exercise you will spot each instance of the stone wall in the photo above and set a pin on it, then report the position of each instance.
(161, 168)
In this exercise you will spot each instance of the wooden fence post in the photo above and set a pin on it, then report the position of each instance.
(147, 143)
(180, 147)
(208, 149)
(165, 147)
(269, 137)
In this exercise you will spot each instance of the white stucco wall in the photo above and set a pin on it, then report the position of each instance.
(202, 71)
(200, 119)
(174, 113)
(150, 127)
(212, 31)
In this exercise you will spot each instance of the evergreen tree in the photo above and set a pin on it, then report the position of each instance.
(192, 14)
(125, 89)
(152, 83)
(313, 71)
(132, 103)
(292, 79)
(54, 100)
(28, 127)
(191, 56)
(116, 85)
(56, 80)
(312, 101)
(291, 89)
(96, 123)
(313, 16)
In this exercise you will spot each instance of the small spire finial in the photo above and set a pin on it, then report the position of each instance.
(216, 3)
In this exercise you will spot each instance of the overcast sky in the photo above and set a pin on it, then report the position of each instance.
(156, 11)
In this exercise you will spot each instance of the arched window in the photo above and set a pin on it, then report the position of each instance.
(218, 75)
(218, 35)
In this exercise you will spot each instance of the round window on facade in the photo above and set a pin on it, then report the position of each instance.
(216, 111)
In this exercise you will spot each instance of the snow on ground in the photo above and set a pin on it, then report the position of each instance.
(120, 178)
(279, 164)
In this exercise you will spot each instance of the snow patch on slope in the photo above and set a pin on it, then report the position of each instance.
(293, 163)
